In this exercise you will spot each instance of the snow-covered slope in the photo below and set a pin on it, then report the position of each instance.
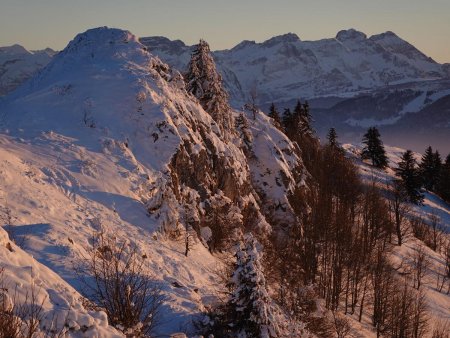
(62, 309)
(106, 138)
(432, 204)
(402, 257)
(18, 64)
(285, 68)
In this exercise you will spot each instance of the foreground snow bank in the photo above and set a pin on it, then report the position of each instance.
(62, 308)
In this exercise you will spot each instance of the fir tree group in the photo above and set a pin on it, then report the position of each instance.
(296, 123)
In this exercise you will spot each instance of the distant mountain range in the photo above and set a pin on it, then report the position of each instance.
(352, 81)
(285, 68)
(18, 64)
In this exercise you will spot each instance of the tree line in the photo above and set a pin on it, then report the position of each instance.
(431, 173)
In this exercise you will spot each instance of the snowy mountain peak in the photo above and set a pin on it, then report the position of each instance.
(285, 38)
(388, 38)
(14, 49)
(394, 44)
(284, 68)
(17, 64)
(125, 148)
(100, 39)
(350, 35)
(243, 44)
(163, 43)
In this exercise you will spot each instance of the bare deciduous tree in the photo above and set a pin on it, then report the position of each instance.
(399, 206)
(116, 280)
(441, 329)
(341, 325)
(436, 233)
(420, 265)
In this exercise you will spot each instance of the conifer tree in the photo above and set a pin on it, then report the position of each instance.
(243, 128)
(374, 149)
(251, 309)
(302, 120)
(429, 168)
(287, 120)
(409, 175)
(275, 115)
(443, 186)
(205, 83)
(306, 120)
(437, 164)
(332, 138)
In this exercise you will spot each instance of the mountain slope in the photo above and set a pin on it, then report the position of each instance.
(106, 138)
(402, 257)
(62, 308)
(413, 116)
(18, 65)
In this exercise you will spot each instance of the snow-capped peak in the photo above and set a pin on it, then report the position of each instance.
(14, 50)
(350, 34)
(394, 44)
(101, 39)
(289, 37)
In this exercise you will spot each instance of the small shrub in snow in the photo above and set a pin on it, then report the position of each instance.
(25, 317)
(116, 280)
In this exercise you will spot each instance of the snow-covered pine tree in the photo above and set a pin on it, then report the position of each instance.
(374, 149)
(252, 313)
(302, 119)
(409, 174)
(205, 83)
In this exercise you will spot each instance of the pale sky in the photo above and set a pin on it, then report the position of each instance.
(37, 24)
